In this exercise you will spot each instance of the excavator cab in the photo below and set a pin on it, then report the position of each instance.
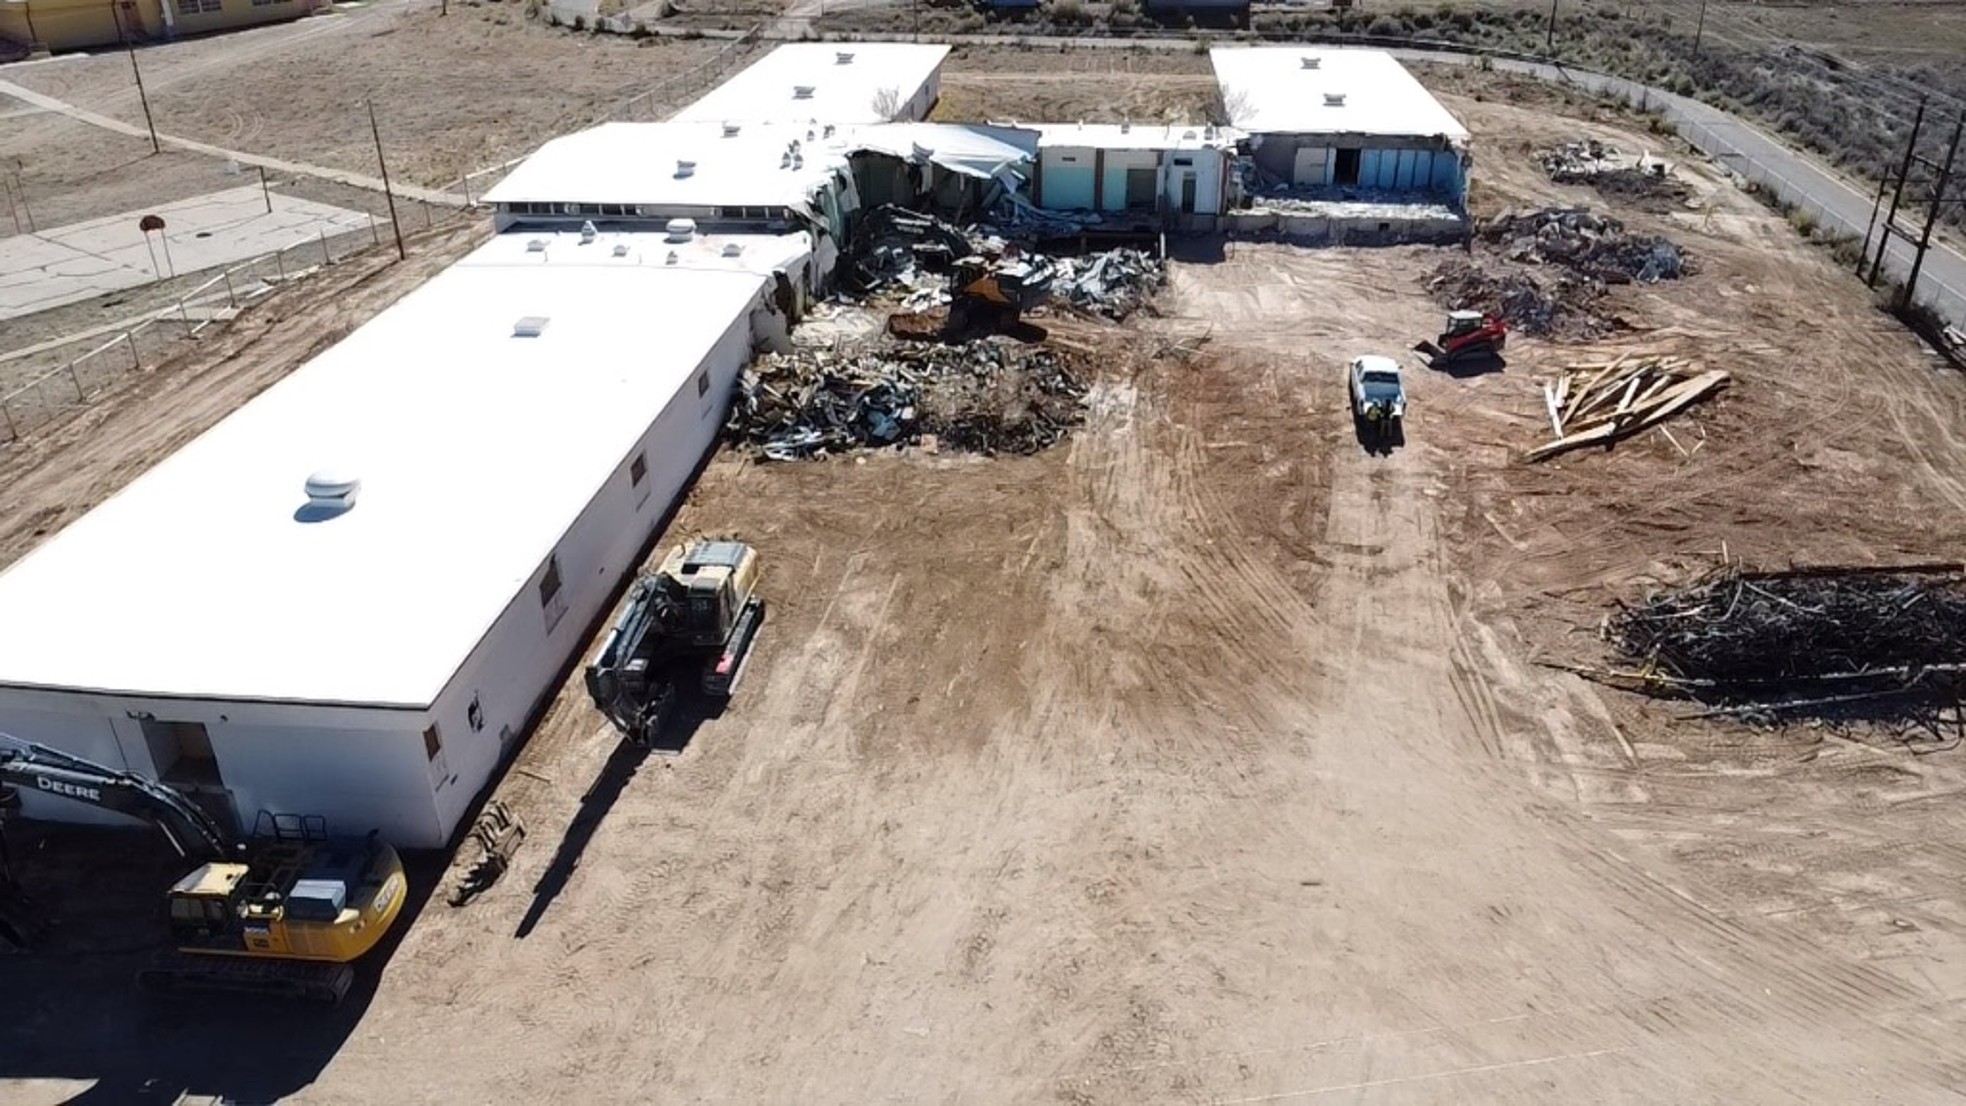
(204, 905)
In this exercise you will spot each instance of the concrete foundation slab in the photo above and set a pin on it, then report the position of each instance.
(62, 265)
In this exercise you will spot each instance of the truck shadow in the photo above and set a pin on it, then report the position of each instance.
(621, 768)
(1377, 442)
(70, 1009)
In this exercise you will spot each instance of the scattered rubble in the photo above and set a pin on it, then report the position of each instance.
(894, 246)
(1643, 181)
(990, 396)
(1597, 403)
(1591, 245)
(1563, 307)
(1814, 642)
(1114, 284)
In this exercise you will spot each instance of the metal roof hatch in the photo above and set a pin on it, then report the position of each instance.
(531, 326)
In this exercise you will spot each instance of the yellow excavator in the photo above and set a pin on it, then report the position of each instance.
(282, 913)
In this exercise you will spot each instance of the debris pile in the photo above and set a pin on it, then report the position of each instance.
(1644, 181)
(989, 396)
(894, 246)
(1115, 283)
(1563, 307)
(1597, 403)
(1802, 642)
(1594, 246)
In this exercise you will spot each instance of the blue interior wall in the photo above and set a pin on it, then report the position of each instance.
(1069, 187)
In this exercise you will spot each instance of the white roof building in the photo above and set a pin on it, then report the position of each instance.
(1306, 90)
(801, 82)
(678, 167)
(518, 426)
(1132, 136)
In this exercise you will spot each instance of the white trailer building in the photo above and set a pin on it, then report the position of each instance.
(349, 597)
(816, 82)
(1120, 167)
(1342, 119)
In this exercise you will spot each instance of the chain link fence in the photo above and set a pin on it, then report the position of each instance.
(79, 378)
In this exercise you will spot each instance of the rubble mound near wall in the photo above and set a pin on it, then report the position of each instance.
(1588, 244)
(1643, 182)
(991, 396)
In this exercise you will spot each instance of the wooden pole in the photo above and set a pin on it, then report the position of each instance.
(395, 224)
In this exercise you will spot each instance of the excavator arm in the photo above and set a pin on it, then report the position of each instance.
(33, 767)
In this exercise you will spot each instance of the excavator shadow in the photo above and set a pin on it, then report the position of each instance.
(621, 769)
(71, 1010)
(1460, 368)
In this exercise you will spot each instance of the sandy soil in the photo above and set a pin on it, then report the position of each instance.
(1203, 759)
(1091, 86)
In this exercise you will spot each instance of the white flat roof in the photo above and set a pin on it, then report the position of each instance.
(639, 163)
(874, 82)
(477, 450)
(1116, 136)
(1289, 90)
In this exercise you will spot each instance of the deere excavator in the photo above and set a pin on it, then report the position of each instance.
(687, 626)
(283, 913)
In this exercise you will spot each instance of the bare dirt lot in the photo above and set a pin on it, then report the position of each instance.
(1203, 759)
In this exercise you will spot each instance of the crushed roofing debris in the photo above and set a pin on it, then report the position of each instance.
(1114, 284)
(1595, 246)
(990, 396)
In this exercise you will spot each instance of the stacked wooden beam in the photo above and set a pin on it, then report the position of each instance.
(1600, 402)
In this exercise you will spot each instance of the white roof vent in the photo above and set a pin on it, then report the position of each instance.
(685, 169)
(732, 249)
(1311, 61)
(621, 249)
(1188, 133)
(537, 245)
(827, 132)
(680, 230)
(802, 92)
(672, 258)
(331, 491)
(587, 232)
(1334, 99)
(1126, 126)
(529, 327)
(843, 57)
(730, 130)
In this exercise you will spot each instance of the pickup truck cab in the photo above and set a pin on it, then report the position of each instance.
(1378, 395)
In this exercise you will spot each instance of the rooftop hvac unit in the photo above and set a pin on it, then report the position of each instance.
(843, 57)
(537, 245)
(1334, 99)
(587, 232)
(529, 327)
(802, 92)
(621, 249)
(730, 130)
(680, 230)
(1311, 61)
(332, 491)
(685, 169)
(732, 249)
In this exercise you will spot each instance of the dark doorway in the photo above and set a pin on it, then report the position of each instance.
(1346, 169)
(1140, 189)
(1188, 194)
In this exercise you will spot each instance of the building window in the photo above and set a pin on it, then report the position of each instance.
(638, 470)
(209, 6)
(549, 584)
(187, 7)
(267, 3)
(433, 743)
(703, 383)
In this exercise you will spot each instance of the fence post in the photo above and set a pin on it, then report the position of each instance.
(280, 264)
(7, 412)
(374, 233)
(136, 359)
(185, 315)
(75, 378)
(231, 300)
(325, 259)
(467, 190)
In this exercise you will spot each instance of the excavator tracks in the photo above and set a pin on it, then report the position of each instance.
(179, 974)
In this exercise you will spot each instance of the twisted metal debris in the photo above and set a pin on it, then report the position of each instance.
(1821, 641)
(1115, 283)
(988, 396)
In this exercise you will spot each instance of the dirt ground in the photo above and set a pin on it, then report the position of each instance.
(1203, 759)
(1004, 83)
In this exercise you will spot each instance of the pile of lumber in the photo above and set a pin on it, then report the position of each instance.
(1600, 402)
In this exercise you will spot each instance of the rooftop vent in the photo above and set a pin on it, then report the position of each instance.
(331, 491)
(802, 92)
(685, 169)
(1126, 126)
(537, 245)
(843, 57)
(785, 160)
(730, 130)
(680, 230)
(1334, 99)
(1190, 134)
(828, 131)
(732, 249)
(1311, 61)
(621, 249)
(587, 232)
(672, 259)
(529, 327)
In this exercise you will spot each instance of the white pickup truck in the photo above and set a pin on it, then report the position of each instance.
(1378, 396)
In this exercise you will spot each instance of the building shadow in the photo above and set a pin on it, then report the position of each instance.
(70, 1009)
(620, 770)
(1198, 249)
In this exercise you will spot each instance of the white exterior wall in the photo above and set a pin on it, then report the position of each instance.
(521, 658)
(363, 769)
(923, 102)
(1209, 168)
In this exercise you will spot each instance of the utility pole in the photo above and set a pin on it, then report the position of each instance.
(395, 224)
(264, 190)
(1876, 205)
(1897, 193)
(1932, 214)
(1549, 33)
(116, 13)
(1699, 26)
